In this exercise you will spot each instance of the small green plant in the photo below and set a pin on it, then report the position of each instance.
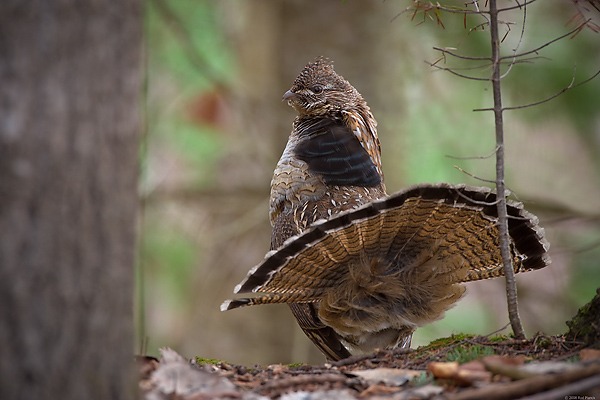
(469, 353)
(422, 379)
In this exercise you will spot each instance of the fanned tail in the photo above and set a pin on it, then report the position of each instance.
(428, 236)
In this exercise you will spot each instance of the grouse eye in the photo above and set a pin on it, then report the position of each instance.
(317, 89)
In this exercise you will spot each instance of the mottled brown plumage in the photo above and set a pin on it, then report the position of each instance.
(360, 269)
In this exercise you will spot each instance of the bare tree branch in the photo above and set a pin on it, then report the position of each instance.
(474, 157)
(537, 49)
(509, 272)
(445, 51)
(516, 49)
(473, 176)
(478, 10)
(479, 202)
(453, 72)
(420, 6)
(518, 6)
(571, 86)
(514, 60)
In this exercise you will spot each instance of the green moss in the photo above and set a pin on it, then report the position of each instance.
(446, 342)
(203, 361)
(463, 354)
(499, 338)
(438, 346)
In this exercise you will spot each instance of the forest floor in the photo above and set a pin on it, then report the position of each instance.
(458, 367)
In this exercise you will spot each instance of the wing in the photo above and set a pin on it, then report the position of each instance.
(330, 149)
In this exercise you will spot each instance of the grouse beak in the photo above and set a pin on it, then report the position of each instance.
(289, 95)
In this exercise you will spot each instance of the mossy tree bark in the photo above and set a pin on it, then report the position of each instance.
(584, 327)
(69, 127)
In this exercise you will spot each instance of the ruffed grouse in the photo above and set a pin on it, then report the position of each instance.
(360, 269)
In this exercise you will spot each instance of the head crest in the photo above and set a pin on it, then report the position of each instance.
(321, 67)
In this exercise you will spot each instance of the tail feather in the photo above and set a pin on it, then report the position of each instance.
(305, 296)
(450, 229)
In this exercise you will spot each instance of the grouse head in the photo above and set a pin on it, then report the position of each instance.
(318, 89)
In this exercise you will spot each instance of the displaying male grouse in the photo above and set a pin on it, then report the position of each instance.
(360, 269)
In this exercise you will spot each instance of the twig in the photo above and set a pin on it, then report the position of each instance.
(477, 340)
(473, 176)
(478, 202)
(524, 387)
(351, 360)
(430, 6)
(457, 74)
(567, 391)
(477, 8)
(519, 6)
(537, 49)
(460, 56)
(504, 238)
(473, 157)
(513, 62)
(569, 87)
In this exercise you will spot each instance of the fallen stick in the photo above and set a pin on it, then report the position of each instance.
(529, 386)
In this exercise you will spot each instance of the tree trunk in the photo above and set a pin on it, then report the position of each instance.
(69, 126)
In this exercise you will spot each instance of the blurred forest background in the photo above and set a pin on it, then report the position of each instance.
(216, 126)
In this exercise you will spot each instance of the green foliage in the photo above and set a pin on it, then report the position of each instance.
(463, 354)
(422, 380)
(187, 40)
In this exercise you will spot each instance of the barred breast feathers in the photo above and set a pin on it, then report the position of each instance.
(293, 183)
